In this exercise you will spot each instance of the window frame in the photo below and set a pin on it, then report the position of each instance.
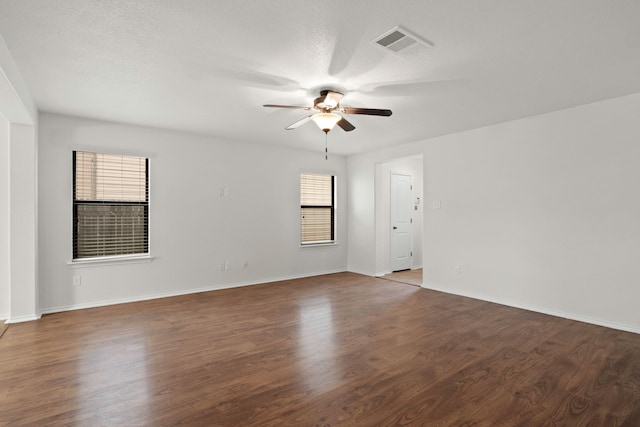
(114, 258)
(332, 208)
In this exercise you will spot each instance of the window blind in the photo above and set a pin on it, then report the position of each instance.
(110, 205)
(317, 222)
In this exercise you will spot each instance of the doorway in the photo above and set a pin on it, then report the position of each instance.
(409, 166)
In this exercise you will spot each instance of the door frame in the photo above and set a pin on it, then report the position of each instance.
(407, 165)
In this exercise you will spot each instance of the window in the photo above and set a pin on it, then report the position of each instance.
(110, 205)
(317, 208)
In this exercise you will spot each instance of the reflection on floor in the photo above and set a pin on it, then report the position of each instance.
(411, 277)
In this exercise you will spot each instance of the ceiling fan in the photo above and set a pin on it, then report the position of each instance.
(327, 106)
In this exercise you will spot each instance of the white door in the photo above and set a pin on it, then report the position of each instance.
(401, 233)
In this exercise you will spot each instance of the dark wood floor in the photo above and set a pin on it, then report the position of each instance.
(342, 349)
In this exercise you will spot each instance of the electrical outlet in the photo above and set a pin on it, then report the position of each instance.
(227, 265)
(222, 266)
(77, 280)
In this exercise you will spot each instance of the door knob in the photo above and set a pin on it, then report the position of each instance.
(395, 228)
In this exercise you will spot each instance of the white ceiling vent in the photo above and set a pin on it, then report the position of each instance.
(401, 42)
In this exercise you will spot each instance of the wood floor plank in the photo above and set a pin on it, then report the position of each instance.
(334, 350)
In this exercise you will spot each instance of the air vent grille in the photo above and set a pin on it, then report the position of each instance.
(401, 42)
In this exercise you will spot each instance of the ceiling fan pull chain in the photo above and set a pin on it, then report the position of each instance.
(326, 152)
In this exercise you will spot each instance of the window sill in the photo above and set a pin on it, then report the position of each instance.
(313, 245)
(112, 260)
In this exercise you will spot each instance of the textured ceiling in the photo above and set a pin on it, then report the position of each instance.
(207, 66)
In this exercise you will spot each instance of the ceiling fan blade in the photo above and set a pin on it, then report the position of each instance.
(332, 99)
(410, 88)
(299, 122)
(367, 111)
(345, 125)
(297, 107)
(246, 75)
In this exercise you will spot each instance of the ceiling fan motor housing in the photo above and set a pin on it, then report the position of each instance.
(320, 103)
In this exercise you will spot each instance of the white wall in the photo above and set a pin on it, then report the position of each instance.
(4, 219)
(23, 223)
(539, 213)
(192, 228)
(405, 166)
(16, 104)
(18, 159)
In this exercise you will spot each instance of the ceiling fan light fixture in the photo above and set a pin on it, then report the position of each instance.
(326, 121)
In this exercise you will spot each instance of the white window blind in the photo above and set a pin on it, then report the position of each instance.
(110, 205)
(317, 210)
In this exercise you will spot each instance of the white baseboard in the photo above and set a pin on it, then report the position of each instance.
(370, 274)
(544, 310)
(103, 303)
(383, 273)
(20, 319)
